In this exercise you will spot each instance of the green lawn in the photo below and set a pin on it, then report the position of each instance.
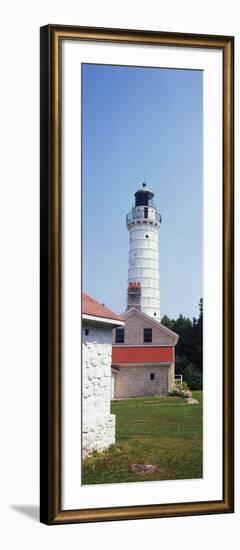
(164, 431)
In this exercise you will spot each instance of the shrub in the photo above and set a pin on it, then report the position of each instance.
(193, 377)
(181, 391)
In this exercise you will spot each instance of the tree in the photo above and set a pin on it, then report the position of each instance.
(167, 322)
(193, 377)
(189, 354)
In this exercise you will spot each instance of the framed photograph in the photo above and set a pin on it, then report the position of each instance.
(136, 274)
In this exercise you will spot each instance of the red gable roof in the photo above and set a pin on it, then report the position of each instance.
(94, 308)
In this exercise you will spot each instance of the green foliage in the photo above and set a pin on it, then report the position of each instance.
(193, 376)
(167, 322)
(181, 391)
(189, 352)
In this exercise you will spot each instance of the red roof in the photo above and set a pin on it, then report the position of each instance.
(94, 308)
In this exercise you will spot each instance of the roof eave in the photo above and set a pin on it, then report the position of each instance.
(103, 320)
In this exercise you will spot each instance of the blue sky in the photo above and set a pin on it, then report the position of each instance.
(142, 123)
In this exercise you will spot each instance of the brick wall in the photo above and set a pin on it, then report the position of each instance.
(133, 332)
(135, 381)
(172, 374)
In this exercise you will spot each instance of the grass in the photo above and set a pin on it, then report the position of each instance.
(165, 431)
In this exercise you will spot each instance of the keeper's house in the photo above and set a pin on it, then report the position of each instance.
(143, 356)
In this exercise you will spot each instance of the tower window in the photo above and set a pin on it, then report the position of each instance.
(145, 212)
(152, 375)
(146, 236)
(147, 335)
(86, 331)
(155, 314)
(119, 336)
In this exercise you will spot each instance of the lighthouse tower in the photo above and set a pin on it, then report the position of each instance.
(143, 223)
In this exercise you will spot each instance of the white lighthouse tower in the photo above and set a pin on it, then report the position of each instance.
(143, 223)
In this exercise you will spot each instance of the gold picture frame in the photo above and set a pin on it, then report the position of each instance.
(51, 37)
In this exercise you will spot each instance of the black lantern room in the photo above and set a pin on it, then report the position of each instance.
(144, 197)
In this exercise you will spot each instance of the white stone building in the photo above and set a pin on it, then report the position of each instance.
(98, 424)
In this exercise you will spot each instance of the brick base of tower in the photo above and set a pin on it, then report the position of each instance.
(134, 295)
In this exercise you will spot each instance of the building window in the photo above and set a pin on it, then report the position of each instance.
(146, 212)
(147, 335)
(155, 314)
(119, 336)
(86, 331)
(146, 236)
(152, 376)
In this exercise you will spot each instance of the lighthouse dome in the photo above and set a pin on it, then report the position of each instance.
(143, 196)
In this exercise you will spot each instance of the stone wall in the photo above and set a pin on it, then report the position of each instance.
(172, 375)
(133, 332)
(135, 381)
(98, 425)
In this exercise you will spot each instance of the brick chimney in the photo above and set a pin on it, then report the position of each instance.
(134, 295)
